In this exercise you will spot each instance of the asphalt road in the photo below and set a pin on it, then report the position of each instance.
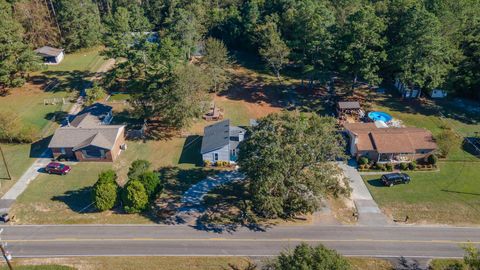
(135, 240)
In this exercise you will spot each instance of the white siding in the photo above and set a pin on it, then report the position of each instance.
(223, 154)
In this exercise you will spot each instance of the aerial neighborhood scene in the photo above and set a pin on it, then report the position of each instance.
(240, 134)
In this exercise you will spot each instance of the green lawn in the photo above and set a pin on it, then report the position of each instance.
(447, 264)
(450, 196)
(167, 263)
(427, 116)
(84, 60)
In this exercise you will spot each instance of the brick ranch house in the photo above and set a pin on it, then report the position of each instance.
(89, 136)
(395, 145)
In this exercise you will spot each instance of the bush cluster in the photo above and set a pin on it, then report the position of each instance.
(142, 187)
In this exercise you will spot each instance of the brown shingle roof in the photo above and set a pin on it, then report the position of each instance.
(391, 140)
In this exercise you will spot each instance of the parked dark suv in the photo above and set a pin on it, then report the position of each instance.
(57, 168)
(395, 178)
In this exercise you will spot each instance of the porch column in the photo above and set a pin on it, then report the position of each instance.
(391, 157)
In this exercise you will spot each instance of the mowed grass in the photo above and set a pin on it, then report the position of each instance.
(27, 103)
(83, 60)
(131, 263)
(168, 263)
(449, 196)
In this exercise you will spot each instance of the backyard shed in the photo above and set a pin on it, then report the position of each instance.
(50, 55)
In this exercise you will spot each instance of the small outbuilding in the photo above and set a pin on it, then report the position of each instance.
(50, 55)
(438, 93)
(348, 108)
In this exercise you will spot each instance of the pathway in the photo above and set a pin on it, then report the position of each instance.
(34, 170)
(192, 199)
(368, 211)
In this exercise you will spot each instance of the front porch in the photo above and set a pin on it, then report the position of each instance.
(395, 157)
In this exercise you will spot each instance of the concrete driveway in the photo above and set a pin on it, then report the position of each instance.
(368, 211)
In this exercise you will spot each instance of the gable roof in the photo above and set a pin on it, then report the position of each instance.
(47, 51)
(391, 140)
(218, 135)
(70, 137)
(91, 116)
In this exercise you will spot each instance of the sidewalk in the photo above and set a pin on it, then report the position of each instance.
(368, 211)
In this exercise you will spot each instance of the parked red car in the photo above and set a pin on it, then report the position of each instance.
(57, 168)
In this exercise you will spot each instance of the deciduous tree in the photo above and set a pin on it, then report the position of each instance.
(273, 49)
(289, 161)
(217, 62)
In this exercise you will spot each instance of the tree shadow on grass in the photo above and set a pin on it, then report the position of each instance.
(191, 151)
(79, 200)
(228, 208)
(58, 117)
(75, 80)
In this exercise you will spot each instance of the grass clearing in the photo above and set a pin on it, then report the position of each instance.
(131, 263)
(365, 263)
(447, 264)
(450, 196)
(167, 263)
(83, 60)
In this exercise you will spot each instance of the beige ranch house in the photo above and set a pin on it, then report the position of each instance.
(89, 137)
(389, 145)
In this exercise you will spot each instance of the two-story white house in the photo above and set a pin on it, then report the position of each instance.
(220, 142)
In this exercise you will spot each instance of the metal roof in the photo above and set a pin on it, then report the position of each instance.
(49, 51)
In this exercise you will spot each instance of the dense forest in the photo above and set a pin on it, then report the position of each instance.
(425, 43)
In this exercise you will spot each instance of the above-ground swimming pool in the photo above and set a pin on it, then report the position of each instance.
(380, 116)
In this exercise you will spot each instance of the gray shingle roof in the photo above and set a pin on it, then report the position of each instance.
(348, 105)
(49, 51)
(91, 116)
(76, 138)
(218, 135)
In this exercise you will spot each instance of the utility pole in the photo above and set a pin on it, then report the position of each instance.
(5, 163)
(6, 254)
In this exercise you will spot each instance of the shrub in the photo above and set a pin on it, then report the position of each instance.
(95, 93)
(389, 166)
(363, 161)
(137, 168)
(12, 130)
(207, 163)
(412, 165)
(108, 176)
(307, 257)
(380, 166)
(446, 141)
(221, 163)
(151, 182)
(403, 166)
(432, 159)
(105, 195)
(134, 197)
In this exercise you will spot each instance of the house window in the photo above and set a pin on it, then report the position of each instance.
(62, 150)
(93, 153)
(215, 156)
